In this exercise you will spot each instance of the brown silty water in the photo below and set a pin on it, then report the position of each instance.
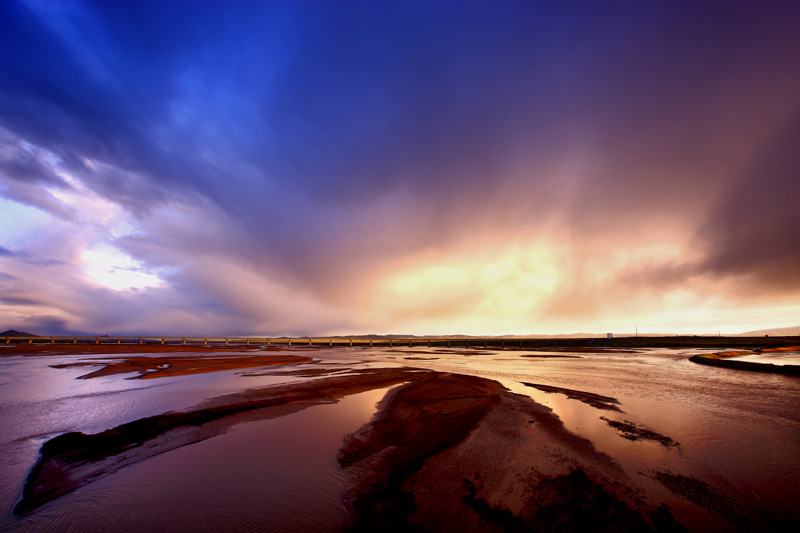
(720, 448)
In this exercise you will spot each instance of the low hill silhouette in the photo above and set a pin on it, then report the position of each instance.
(15, 333)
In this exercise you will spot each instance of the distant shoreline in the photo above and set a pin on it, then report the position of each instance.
(109, 344)
(722, 359)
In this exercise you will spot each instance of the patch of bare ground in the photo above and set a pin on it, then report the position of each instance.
(459, 453)
(581, 349)
(731, 513)
(551, 355)
(595, 400)
(150, 367)
(440, 351)
(636, 432)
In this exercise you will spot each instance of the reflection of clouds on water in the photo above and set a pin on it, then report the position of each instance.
(728, 438)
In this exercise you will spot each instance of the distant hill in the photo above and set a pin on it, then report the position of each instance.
(15, 333)
(790, 331)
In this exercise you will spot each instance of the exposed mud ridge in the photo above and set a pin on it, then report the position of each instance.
(695, 490)
(150, 367)
(417, 422)
(595, 400)
(636, 432)
(551, 355)
(70, 460)
(718, 359)
(732, 513)
(458, 453)
(579, 349)
(572, 502)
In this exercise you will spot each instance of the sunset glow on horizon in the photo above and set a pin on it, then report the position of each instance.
(321, 168)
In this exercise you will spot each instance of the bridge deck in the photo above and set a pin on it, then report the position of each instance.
(475, 342)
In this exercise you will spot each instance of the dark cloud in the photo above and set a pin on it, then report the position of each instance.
(15, 300)
(755, 231)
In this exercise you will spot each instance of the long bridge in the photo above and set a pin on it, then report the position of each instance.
(677, 341)
(474, 342)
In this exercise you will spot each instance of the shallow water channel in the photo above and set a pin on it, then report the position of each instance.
(732, 432)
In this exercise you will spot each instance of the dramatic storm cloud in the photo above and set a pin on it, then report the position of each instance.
(410, 167)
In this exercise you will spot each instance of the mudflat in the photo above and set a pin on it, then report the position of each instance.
(445, 450)
(442, 451)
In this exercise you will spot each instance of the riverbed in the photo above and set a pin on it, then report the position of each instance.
(719, 448)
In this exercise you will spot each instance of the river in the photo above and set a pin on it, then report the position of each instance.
(733, 433)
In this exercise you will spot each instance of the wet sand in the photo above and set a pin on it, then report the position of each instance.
(595, 400)
(723, 359)
(460, 453)
(169, 366)
(443, 451)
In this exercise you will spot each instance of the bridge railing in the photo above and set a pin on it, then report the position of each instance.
(473, 342)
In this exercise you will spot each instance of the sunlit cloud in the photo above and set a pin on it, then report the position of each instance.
(108, 267)
(496, 288)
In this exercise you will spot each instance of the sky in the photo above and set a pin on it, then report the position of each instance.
(322, 168)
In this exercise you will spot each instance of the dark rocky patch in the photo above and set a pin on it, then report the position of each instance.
(572, 502)
(595, 400)
(636, 432)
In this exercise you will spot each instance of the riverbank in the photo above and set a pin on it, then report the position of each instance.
(723, 359)
(441, 451)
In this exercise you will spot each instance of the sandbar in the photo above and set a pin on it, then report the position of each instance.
(150, 367)
(595, 400)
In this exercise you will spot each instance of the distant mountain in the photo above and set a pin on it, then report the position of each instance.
(15, 333)
(790, 331)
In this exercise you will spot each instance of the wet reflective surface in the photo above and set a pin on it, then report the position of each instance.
(681, 428)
